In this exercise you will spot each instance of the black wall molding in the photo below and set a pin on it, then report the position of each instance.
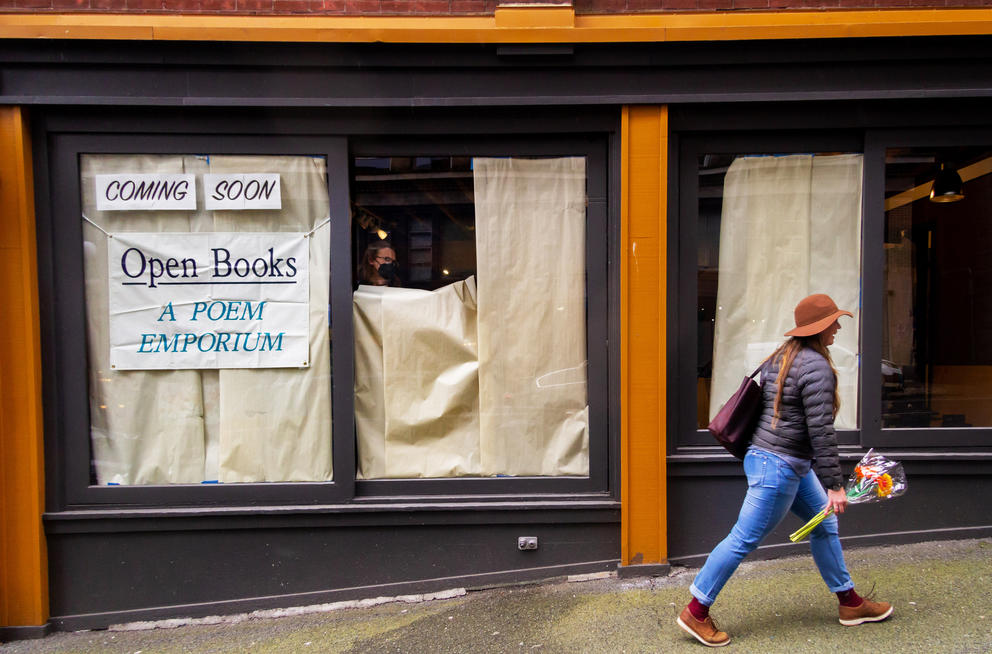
(388, 75)
(336, 517)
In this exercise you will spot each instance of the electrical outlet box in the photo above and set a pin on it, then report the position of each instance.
(527, 543)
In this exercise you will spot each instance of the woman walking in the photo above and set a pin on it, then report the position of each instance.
(792, 459)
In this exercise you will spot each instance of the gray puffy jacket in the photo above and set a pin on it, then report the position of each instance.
(805, 427)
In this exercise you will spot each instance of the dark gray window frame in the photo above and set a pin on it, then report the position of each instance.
(687, 442)
(64, 230)
(873, 263)
(683, 219)
(594, 149)
(61, 135)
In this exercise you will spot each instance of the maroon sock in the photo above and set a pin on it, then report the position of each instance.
(698, 611)
(849, 598)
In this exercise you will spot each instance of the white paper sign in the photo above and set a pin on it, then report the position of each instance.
(238, 191)
(127, 192)
(209, 300)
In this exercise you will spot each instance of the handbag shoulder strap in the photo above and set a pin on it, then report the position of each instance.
(757, 370)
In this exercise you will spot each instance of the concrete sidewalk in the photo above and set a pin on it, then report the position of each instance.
(942, 592)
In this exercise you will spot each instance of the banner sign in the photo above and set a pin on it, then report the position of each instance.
(127, 192)
(242, 191)
(209, 300)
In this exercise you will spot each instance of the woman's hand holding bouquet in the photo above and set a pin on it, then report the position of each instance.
(875, 478)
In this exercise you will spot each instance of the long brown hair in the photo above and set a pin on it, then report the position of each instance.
(786, 354)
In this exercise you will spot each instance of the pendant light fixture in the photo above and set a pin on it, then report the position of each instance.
(947, 186)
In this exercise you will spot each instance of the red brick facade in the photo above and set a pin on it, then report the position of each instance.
(268, 7)
(451, 7)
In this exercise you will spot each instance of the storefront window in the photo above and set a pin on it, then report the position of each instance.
(206, 281)
(470, 316)
(771, 230)
(937, 309)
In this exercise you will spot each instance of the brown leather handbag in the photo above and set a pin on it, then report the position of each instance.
(733, 425)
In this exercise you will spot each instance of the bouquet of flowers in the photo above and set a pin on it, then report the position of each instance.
(875, 478)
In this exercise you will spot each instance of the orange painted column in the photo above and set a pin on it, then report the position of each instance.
(644, 236)
(23, 559)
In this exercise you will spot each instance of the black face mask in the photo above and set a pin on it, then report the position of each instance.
(389, 271)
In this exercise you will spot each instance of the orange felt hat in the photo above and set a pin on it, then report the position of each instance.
(814, 314)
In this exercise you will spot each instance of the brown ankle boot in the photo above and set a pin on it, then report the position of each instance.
(705, 631)
(868, 611)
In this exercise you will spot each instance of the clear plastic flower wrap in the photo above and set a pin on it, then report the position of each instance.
(875, 478)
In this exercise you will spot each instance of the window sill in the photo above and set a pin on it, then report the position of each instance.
(402, 511)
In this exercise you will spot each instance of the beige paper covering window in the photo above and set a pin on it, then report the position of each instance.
(530, 251)
(370, 407)
(790, 227)
(417, 383)
(188, 426)
(487, 381)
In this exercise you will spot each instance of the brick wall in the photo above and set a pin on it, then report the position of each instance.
(449, 7)
(636, 6)
(283, 7)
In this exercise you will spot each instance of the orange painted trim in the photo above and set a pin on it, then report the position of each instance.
(662, 336)
(643, 342)
(23, 557)
(625, 513)
(563, 16)
(508, 25)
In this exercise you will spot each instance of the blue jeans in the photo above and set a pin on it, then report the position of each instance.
(773, 489)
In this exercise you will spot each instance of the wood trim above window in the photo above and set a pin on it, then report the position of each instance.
(508, 25)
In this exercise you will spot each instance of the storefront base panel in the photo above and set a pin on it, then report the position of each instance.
(100, 578)
(8, 634)
(704, 499)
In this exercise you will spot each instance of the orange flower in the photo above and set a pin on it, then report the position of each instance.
(858, 473)
(884, 485)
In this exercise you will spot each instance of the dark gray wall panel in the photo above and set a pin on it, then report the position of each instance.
(703, 501)
(103, 578)
(368, 75)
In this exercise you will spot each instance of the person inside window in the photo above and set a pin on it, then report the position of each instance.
(378, 266)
